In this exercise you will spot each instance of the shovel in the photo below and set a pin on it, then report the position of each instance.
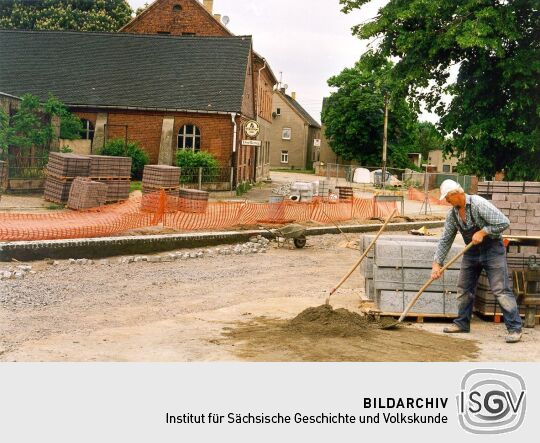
(423, 288)
(361, 257)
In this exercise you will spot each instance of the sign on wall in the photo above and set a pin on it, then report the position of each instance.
(252, 128)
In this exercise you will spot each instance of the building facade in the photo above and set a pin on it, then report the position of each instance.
(293, 134)
(190, 18)
(130, 86)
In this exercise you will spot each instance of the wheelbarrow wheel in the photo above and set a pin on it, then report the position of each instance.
(300, 242)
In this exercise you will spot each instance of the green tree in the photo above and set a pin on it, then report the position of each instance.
(354, 114)
(32, 125)
(494, 45)
(77, 15)
(428, 138)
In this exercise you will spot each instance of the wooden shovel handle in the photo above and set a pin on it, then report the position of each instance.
(364, 254)
(431, 280)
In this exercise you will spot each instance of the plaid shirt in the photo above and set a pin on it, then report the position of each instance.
(487, 217)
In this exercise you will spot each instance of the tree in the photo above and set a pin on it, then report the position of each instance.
(31, 126)
(428, 138)
(77, 15)
(493, 116)
(354, 115)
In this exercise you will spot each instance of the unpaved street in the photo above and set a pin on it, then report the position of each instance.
(180, 310)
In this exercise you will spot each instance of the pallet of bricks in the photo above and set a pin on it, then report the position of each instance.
(61, 170)
(398, 266)
(520, 202)
(64, 168)
(115, 172)
(86, 193)
(157, 178)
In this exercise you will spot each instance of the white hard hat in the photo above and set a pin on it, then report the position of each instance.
(449, 186)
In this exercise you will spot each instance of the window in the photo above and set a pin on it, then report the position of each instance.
(177, 8)
(189, 137)
(446, 168)
(278, 111)
(87, 132)
(284, 156)
(286, 134)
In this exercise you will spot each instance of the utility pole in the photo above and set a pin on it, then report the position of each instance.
(385, 139)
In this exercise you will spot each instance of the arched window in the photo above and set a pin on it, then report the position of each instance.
(87, 132)
(177, 8)
(189, 137)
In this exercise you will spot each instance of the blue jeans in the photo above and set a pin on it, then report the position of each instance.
(489, 255)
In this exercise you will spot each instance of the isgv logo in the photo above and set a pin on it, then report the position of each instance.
(491, 401)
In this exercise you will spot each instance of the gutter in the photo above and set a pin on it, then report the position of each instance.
(258, 86)
(143, 108)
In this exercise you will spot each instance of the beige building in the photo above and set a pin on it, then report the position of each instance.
(294, 134)
(441, 162)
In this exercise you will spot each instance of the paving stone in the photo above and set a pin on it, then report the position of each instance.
(412, 279)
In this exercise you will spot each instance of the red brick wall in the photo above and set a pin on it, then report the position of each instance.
(248, 101)
(160, 17)
(264, 89)
(145, 127)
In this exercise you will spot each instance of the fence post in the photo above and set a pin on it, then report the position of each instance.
(337, 173)
(200, 178)
(180, 183)
(231, 179)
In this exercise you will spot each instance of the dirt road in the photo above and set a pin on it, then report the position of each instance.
(179, 311)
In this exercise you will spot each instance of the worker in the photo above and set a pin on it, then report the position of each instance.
(481, 223)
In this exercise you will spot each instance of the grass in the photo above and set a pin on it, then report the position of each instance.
(298, 171)
(54, 207)
(135, 186)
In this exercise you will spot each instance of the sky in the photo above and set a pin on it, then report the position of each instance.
(304, 41)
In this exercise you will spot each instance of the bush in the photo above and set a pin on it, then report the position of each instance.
(190, 162)
(139, 157)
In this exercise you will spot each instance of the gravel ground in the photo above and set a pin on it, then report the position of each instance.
(175, 310)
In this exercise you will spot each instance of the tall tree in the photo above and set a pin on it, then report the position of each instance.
(494, 113)
(77, 15)
(354, 114)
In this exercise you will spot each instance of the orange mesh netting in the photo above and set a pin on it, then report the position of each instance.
(417, 195)
(151, 209)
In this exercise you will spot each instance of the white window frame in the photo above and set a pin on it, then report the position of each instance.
(88, 129)
(284, 157)
(195, 134)
(286, 133)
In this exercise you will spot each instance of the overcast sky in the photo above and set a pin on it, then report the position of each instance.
(306, 40)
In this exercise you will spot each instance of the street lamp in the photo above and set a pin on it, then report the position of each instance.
(385, 139)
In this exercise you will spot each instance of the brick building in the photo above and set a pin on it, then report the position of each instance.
(165, 92)
(190, 18)
(293, 134)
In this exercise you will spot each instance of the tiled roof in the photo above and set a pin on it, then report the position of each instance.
(126, 70)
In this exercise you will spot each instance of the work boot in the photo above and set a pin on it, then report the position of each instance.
(513, 336)
(454, 329)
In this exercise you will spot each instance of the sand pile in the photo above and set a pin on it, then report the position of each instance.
(325, 321)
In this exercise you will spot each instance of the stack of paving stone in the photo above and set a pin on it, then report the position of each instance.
(398, 266)
(115, 172)
(61, 170)
(85, 194)
(192, 200)
(161, 177)
(520, 202)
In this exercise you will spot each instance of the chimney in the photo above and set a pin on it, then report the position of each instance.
(293, 95)
(209, 5)
(217, 17)
(282, 90)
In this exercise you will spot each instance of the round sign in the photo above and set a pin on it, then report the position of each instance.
(252, 128)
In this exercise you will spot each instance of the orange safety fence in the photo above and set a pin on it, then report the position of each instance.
(152, 209)
(415, 194)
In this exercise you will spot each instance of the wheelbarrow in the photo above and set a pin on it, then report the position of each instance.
(294, 232)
